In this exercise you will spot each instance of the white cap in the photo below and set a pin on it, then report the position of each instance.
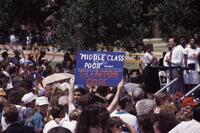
(27, 98)
(64, 86)
(42, 101)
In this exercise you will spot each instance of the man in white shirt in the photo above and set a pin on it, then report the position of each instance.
(192, 126)
(175, 58)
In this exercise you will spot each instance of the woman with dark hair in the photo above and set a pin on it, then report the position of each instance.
(93, 119)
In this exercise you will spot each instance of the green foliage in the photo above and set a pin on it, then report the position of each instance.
(85, 23)
(179, 17)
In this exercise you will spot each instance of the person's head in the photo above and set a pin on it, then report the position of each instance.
(170, 108)
(182, 41)
(137, 94)
(29, 100)
(42, 104)
(58, 111)
(15, 95)
(124, 101)
(42, 53)
(149, 47)
(59, 130)
(10, 113)
(115, 125)
(17, 53)
(145, 106)
(196, 113)
(164, 122)
(78, 93)
(103, 90)
(4, 54)
(92, 116)
(162, 98)
(192, 43)
(185, 114)
(171, 43)
(86, 100)
(74, 115)
(146, 123)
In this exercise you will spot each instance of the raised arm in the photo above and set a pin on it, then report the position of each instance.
(71, 95)
(114, 102)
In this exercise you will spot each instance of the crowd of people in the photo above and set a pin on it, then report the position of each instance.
(27, 104)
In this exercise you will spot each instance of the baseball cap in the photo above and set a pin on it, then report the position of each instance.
(27, 98)
(42, 101)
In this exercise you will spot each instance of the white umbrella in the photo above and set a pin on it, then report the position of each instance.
(130, 87)
(56, 77)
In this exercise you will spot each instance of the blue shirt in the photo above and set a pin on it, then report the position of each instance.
(36, 121)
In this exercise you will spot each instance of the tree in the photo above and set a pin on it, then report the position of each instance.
(85, 23)
(179, 17)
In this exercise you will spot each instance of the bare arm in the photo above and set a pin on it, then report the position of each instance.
(71, 94)
(114, 102)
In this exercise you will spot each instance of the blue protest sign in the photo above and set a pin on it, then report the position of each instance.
(99, 68)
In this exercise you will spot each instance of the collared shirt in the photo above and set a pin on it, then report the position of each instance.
(126, 117)
(191, 126)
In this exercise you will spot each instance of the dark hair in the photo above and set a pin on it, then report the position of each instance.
(88, 99)
(148, 46)
(114, 121)
(57, 111)
(102, 90)
(165, 121)
(15, 95)
(4, 54)
(146, 123)
(92, 116)
(124, 100)
(10, 113)
(59, 130)
(81, 90)
(196, 113)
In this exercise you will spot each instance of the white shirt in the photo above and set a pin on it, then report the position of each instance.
(177, 56)
(190, 55)
(166, 58)
(148, 58)
(126, 117)
(71, 125)
(192, 126)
